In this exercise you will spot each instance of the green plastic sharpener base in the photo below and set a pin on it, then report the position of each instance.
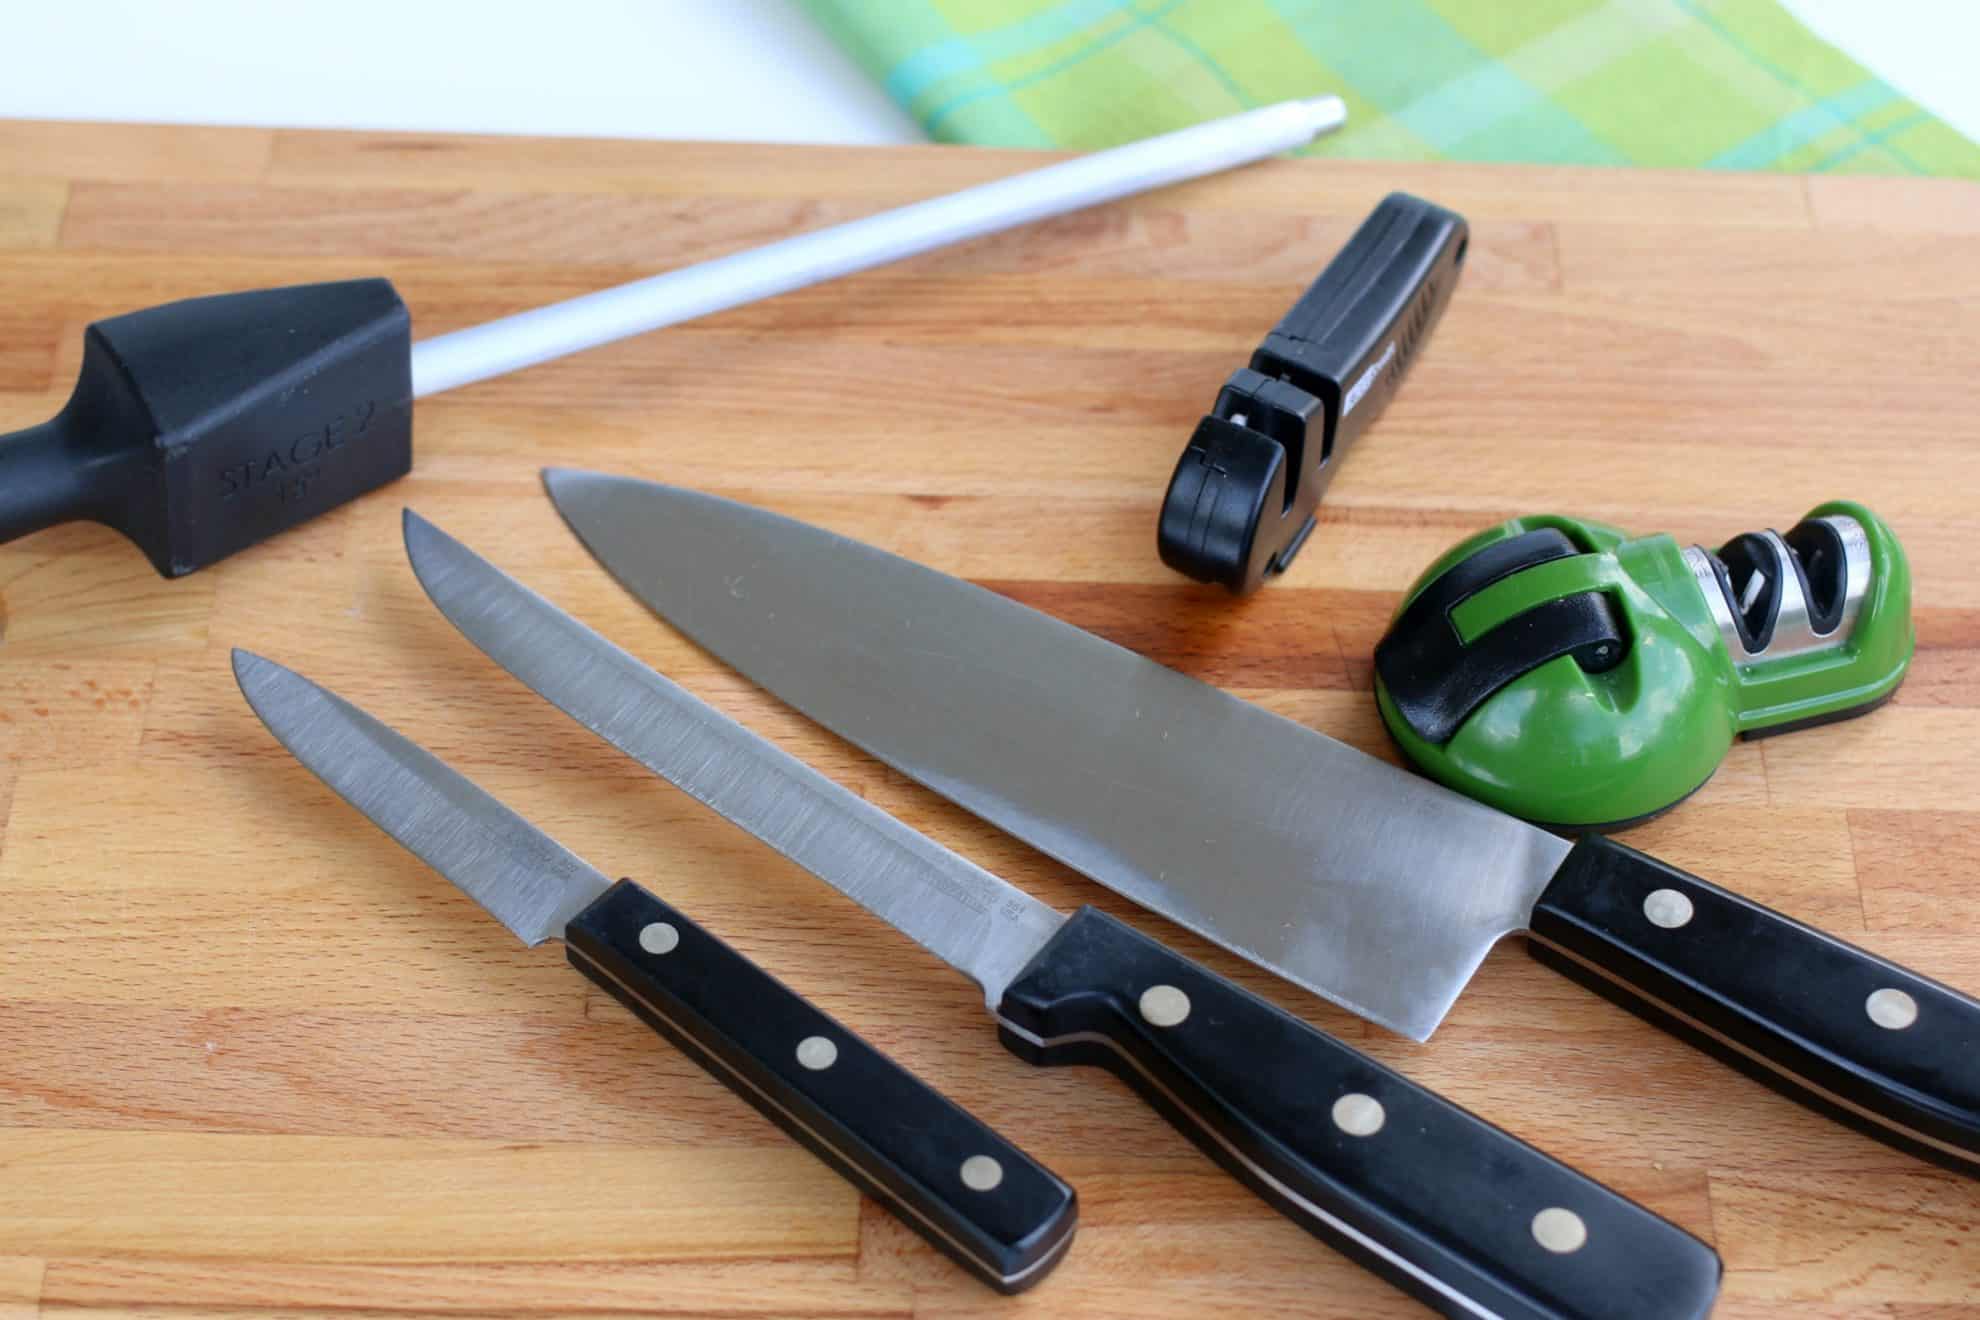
(1585, 679)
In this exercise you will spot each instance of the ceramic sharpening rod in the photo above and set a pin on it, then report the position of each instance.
(200, 427)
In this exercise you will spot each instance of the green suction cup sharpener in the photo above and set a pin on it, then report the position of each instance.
(1564, 671)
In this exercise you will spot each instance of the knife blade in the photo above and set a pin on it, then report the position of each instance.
(939, 1169)
(1456, 1212)
(1365, 884)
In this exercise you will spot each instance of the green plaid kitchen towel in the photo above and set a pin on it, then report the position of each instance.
(1723, 84)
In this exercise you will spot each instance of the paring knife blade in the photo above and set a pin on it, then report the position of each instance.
(943, 1172)
(1363, 883)
(1447, 1207)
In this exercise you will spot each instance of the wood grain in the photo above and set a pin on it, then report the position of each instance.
(255, 1060)
(392, 1199)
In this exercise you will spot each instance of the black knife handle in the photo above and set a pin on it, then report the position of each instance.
(939, 1169)
(1843, 1031)
(1464, 1217)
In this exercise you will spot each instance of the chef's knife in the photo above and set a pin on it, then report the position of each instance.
(1449, 1208)
(942, 1171)
(1366, 884)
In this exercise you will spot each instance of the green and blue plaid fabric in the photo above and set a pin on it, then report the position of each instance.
(1718, 84)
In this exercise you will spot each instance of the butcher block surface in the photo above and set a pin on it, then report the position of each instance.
(255, 1060)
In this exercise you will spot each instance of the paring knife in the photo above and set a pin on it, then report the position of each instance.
(939, 1169)
(1447, 1207)
(1366, 884)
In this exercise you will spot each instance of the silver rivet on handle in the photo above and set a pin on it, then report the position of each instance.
(1667, 908)
(1891, 1009)
(1559, 1231)
(1164, 1005)
(1359, 1115)
(980, 1173)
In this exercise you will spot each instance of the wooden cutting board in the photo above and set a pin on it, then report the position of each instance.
(256, 1060)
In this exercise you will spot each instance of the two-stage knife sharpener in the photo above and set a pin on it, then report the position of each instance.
(1244, 495)
(1563, 671)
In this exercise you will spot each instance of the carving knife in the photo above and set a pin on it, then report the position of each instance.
(938, 1168)
(1368, 885)
(1449, 1208)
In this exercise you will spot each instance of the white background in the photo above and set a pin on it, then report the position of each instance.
(754, 70)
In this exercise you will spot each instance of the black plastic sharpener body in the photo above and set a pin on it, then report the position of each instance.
(1245, 494)
(201, 427)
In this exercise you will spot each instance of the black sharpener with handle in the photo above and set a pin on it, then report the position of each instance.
(1245, 494)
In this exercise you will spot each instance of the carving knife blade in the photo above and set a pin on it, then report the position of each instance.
(1368, 885)
(1454, 1211)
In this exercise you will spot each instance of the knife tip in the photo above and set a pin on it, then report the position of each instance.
(418, 532)
(254, 674)
(562, 482)
(244, 661)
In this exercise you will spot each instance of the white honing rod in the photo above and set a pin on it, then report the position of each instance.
(522, 340)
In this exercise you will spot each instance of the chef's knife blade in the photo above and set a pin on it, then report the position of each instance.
(945, 1173)
(1366, 884)
(1452, 1210)
(1314, 861)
